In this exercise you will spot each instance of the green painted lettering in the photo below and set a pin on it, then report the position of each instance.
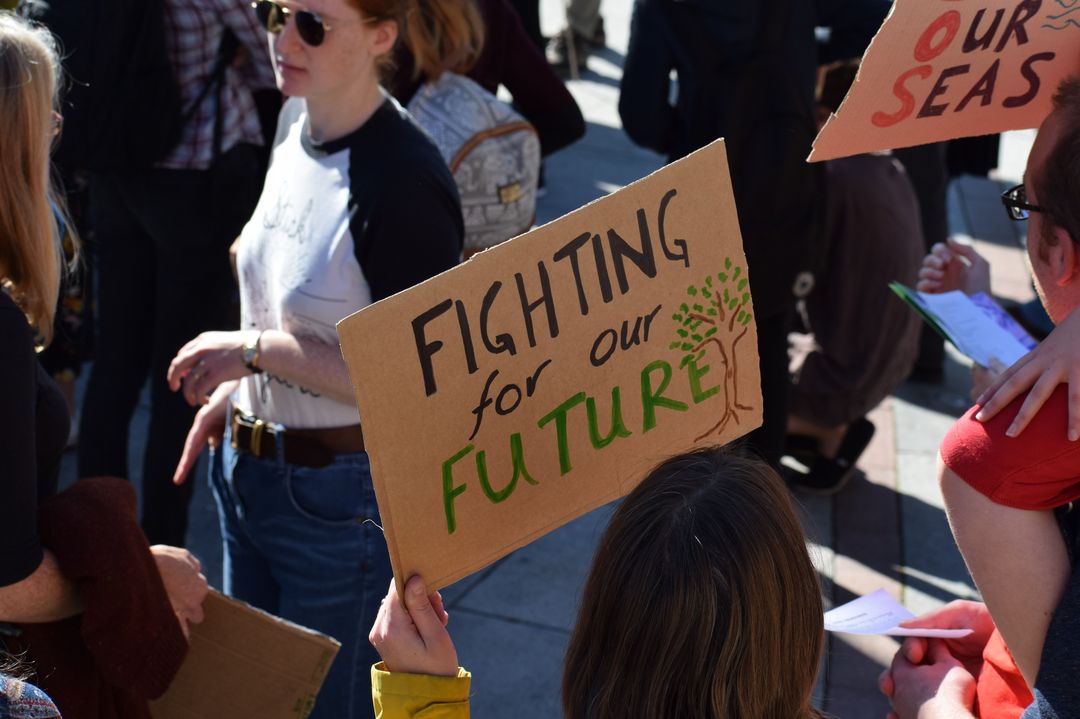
(696, 373)
(618, 427)
(650, 399)
(559, 415)
(517, 459)
(449, 490)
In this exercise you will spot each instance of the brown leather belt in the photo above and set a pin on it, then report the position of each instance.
(314, 448)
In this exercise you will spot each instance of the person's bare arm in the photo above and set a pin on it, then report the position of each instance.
(213, 358)
(1017, 559)
(44, 596)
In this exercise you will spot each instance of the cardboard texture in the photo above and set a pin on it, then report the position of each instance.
(942, 69)
(544, 377)
(246, 663)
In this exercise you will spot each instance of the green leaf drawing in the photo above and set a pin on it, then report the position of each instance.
(677, 317)
(692, 291)
(682, 333)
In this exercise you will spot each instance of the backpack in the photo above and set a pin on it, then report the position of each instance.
(493, 154)
(122, 106)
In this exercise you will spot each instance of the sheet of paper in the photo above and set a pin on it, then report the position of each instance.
(879, 613)
(975, 333)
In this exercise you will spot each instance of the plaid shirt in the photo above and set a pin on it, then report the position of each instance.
(195, 29)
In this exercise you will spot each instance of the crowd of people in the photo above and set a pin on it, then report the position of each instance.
(277, 184)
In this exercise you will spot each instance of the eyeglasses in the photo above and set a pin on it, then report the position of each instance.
(309, 26)
(1016, 204)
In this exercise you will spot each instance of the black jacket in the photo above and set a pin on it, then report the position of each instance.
(746, 72)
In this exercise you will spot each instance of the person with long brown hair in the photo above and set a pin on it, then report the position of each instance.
(358, 205)
(701, 603)
(34, 419)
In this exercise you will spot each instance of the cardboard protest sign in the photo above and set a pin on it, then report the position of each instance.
(243, 662)
(942, 69)
(546, 376)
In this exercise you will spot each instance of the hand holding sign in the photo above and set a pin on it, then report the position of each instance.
(545, 377)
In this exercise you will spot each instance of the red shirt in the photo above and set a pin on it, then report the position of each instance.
(1038, 470)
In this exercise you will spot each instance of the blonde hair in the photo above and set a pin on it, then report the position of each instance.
(30, 251)
(444, 36)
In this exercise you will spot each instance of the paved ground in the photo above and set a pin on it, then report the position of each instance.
(886, 529)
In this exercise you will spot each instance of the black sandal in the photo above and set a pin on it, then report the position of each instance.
(829, 475)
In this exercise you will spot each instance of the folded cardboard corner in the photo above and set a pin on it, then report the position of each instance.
(244, 662)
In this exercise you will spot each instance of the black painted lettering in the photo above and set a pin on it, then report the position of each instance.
(569, 251)
(601, 270)
(608, 337)
(984, 88)
(648, 321)
(681, 244)
(621, 250)
(974, 41)
(546, 299)
(500, 405)
(1032, 78)
(466, 336)
(1023, 12)
(929, 109)
(426, 350)
(503, 342)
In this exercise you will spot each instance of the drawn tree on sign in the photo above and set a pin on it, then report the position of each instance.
(715, 314)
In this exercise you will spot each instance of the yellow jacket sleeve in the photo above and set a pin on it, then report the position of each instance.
(419, 696)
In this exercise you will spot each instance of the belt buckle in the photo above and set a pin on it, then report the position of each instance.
(257, 429)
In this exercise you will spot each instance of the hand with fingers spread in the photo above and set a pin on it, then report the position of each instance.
(954, 266)
(939, 688)
(181, 573)
(983, 377)
(208, 427)
(1055, 361)
(206, 362)
(411, 638)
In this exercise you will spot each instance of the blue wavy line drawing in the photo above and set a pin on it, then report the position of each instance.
(1067, 12)
(1063, 4)
(1064, 25)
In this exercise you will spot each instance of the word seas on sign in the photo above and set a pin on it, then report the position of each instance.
(546, 376)
(941, 69)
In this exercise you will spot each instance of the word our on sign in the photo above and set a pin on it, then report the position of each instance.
(942, 69)
(546, 376)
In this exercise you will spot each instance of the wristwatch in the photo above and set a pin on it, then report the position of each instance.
(250, 354)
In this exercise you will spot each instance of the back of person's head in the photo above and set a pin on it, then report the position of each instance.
(1059, 186)
(444, 36)
(702, 602)
(29, 251)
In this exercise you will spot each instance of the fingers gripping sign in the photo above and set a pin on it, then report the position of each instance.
(411, 637)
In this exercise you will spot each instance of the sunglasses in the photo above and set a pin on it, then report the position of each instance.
(309, 26)
(1016, 204)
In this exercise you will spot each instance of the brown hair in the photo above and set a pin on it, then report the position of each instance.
(30, 254)
(1059, 186)
(444, 36)
(701, 603)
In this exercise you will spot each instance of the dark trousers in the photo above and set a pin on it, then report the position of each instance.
(163, 277)
(767, 441)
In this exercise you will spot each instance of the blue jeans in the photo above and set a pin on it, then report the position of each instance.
(296, 545)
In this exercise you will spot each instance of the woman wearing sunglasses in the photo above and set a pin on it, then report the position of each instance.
(358, 205)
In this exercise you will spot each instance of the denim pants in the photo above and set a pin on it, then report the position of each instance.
(296, 544)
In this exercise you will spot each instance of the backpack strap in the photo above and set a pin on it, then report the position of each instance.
(216, 82)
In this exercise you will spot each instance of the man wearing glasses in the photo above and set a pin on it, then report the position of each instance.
(1011, 500)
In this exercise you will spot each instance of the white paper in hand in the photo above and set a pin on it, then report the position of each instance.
(879, 613)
